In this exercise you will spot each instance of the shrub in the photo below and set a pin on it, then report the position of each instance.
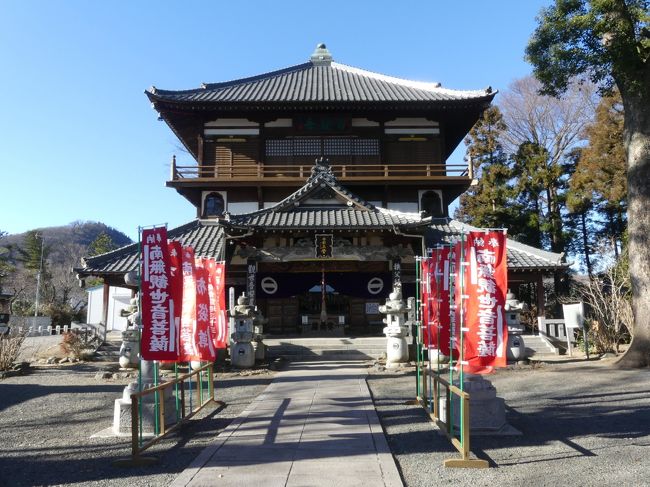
(10, 348)
(75, 343)
(610, 309)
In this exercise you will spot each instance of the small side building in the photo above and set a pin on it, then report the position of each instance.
(118, 299)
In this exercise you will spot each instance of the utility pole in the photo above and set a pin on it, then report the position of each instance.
(38, 277)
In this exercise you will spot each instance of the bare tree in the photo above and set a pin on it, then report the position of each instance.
(542, 132)
(556, 124)
(609, 305)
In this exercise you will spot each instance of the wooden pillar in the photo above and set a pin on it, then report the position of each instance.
(199, 154)
(541, 301)
(105, 308)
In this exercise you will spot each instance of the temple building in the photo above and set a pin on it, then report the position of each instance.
(318, 185)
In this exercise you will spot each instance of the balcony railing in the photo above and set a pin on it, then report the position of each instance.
(299, 173)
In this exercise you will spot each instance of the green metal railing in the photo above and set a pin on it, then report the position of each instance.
(432, 389)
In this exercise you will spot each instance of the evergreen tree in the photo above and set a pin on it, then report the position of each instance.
(599, 181)
(5, 266)
(488, 203)
(101, 245)
(34, 253)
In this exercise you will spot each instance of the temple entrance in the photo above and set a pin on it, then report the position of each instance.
(297, 304)
(302, 315)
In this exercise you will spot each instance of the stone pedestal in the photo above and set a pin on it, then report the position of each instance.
(487, 411)
(242, 355)
(516, 349)
(122, 408)
(122, 411)
(436, 357)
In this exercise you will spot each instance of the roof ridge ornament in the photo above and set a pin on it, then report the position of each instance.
(321, 166)
(321, 56)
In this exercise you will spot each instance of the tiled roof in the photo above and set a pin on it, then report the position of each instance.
(349, 211)
(325, 219)
(303, 210)
(207, 241)
(521, 257)
(320, 81)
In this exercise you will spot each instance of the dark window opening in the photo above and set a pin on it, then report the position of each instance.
(431, 204)
(213, 205)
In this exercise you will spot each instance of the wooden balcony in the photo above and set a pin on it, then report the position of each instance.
(259, 173)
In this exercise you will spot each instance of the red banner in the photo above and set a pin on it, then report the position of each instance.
(458, 258)
(440, 285)
(159, 335)
(176, 285)
(202, 339)
(486, 286)
(425, 300)
(188, 315)
(217, 290)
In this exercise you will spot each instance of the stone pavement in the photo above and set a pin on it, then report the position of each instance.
(314, 425)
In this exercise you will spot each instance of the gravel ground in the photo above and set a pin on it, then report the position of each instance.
(583, 423)
(48, 416)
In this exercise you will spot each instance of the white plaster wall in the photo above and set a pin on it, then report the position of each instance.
(405, 207)
(243, 207)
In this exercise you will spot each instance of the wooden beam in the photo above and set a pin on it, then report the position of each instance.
(540, 295)
(200, 149)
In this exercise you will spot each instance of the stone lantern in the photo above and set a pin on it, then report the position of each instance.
(396, 328)
(242, 353)
(516, 350)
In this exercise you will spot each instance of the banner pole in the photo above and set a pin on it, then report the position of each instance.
(461, 354)
(178, 416)
(200, 385)
(453, 278)
(156, 405)
(433, 383)
(418, 318)
(139, 328)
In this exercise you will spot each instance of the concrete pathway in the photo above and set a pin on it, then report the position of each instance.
(314, 425)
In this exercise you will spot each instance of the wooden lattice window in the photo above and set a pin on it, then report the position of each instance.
(307, 146)
(365, 147)
(326, 146)
(279, 147)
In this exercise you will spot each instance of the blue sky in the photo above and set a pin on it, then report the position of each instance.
(79, 140)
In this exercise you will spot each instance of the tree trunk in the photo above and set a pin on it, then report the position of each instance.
(637, 144)
(585, 241)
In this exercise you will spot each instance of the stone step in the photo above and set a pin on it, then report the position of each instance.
(109, 350)
(338, 348)
(537, 346)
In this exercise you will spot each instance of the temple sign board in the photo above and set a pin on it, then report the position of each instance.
(324, 245)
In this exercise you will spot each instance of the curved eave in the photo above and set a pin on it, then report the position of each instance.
(548, 268)
(162, 104)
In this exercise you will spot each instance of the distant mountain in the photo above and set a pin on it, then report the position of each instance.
(59, 239)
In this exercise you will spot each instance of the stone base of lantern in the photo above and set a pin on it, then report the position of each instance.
(242, 355)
